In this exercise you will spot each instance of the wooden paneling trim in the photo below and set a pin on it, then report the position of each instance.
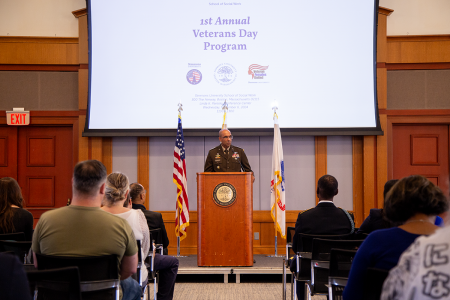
(381, 38)
(409, 119)
(422, 51)
(382, 88)
(49, 113)
(38, 39)
(381, 65)
(143, 165)
(358, 183)
(385, 11)
(321, 159)
(421, 66)
(418, 38)
(53, 68)
(415, 112)
(80, 12)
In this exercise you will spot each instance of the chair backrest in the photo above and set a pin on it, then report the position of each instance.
(155, 235)
(373, 283)
(341, 262)
(90, 267)
(20, 248)
(321, 248)
(18, 236)
(305, 241)
(62, 283)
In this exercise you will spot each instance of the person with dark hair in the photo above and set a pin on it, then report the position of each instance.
(13, 218)
(83, 229)
(414, 202)
(325, 218)
(154, 219)
(376, 219)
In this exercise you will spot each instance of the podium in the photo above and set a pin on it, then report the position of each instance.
(225, 219)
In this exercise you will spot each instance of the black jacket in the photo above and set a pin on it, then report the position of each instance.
(155, 221)
(325, 219)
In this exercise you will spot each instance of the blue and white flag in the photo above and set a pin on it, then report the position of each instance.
(277, 185)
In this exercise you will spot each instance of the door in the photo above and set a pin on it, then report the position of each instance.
(40, 158)
(423, 150)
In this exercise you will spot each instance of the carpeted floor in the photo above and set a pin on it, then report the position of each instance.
(231, 291)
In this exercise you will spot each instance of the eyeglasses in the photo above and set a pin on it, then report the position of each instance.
(228, 137)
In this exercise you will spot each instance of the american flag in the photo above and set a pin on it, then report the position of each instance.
(179, 178)
(196, 76)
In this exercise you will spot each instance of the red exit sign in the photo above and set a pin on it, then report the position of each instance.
(18, 117)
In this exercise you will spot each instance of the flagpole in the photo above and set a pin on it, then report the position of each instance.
(275, 191)
(180, 108)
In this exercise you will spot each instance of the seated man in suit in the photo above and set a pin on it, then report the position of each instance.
(166, 265)
(325, 218)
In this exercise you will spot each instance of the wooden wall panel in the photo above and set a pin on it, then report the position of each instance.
(382, 88)
(38, 50)
(369, 167)
(321, 159)
(144, 166)
(418, 49)
(96, 148)
(382, 161)
(358, 183)
(83, 145)
(83, 85)
(107, 153)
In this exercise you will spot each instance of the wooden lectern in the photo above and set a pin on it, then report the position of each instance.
(225, 219)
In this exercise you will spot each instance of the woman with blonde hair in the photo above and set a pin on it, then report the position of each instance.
(13, 218)
(116, 194)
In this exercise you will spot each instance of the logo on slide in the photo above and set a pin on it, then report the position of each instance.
(225, 74)
(194, 76)
(257, 71)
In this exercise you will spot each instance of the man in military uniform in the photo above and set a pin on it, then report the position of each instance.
(325, 219)
(226, 157)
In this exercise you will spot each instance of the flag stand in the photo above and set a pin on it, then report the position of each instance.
(275, 225)
(178, 235)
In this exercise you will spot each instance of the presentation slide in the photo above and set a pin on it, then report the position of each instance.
(314, 60)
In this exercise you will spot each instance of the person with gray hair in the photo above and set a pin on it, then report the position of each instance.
(83, 229)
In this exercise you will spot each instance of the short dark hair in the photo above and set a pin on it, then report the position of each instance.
(388, 185)
(135, 190)
(88, 175)
(327, 187)
(411, 195)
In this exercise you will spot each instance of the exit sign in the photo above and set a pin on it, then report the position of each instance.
(18, 117)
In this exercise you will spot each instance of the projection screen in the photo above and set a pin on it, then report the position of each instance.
(314, 60)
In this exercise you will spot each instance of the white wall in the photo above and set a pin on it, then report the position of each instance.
(54, 17)
(418, 17)
(39, 17)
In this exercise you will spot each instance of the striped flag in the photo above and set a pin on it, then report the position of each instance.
(277, 185)
(179, 178)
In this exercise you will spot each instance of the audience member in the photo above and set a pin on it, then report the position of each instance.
(423, 271)
(13, 280)
(13, 218)
(154, 219)
(116, 194)
(325, 218)
(166, 264)
(376, 219)
(413, 201)
(83, 229)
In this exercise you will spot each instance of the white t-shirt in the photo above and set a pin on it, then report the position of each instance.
(138, 223)
(423, 271)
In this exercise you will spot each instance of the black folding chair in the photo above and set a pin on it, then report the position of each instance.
(20, 248)
(138, 276)
(320, 261)
(373, 283)
(60, 284)
(152, 272)
(99, 275)
(340, 265)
